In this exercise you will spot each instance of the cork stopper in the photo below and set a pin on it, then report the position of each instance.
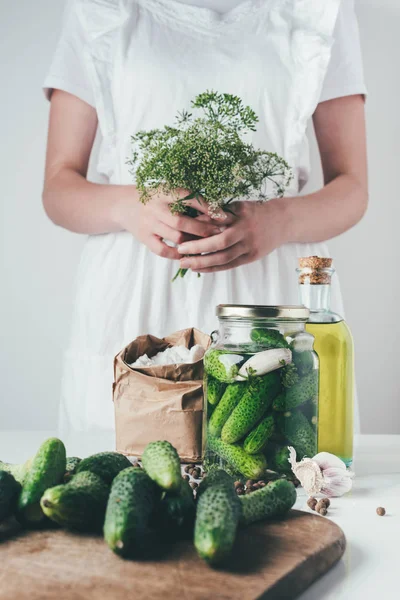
(315, 270)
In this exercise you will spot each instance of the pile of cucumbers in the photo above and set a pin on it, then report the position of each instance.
(252, 420)
(135, 507)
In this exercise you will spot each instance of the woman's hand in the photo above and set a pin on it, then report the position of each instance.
(153, 222)
(257, 229)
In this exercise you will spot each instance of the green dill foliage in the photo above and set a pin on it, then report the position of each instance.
(207, 155)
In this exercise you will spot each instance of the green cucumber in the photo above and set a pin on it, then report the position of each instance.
(298, 394)
(176, 513)
(133, 499)
(304, 361)
(223, 410)
(253, 405)
(106, 465)
(215, 477)
(273, 500)
(222, 365)
(19, 471)
(9, 491)
(279, 461)
(217, 519)
(215, 390)
(47, 469)
(251, 466)
(161, 462)
(78, 505)
(268, 338)
(259, 437)
(71, 466)
(297, 429)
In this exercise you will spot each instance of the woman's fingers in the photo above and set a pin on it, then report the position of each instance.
(244, 259)
(199, 263)
(172, 235)
(216, 243)
(189, 225)
(157, 246)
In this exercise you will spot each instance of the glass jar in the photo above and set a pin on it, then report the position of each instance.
(260, 389)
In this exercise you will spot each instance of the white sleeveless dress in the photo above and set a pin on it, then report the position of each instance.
(145, 60)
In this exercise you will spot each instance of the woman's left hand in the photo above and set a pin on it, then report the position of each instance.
(255, 231)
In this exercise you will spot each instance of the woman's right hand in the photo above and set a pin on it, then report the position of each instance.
(153, 222)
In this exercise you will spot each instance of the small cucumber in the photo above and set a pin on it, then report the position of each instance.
(273, 500)
(251, 466)
(217, 519)
(161, 462)
(259, 437)
(47, 469)
(133, 499)
(70, 469)
(300, 393)
(254, 403)
(106, 465)
(222, 365)
(215, 477)
(176, 513)
(279, 461)
(223, 410)
(78, 505)
(268, 338)
(297, 429)
(19, 472)
(9, 490)
(215, 390)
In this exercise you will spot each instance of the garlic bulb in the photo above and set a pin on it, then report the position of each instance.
(265, 362)
(325, 473)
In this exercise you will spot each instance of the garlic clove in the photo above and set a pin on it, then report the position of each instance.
(336, 482)
(326, 460)
(307, 472)
(265, 362)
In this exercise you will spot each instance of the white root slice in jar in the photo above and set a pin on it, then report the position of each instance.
(265, 362)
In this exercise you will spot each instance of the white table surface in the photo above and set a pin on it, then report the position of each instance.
(370, 567)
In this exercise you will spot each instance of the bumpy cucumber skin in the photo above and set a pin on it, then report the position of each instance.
(296, 427)
(133, 499)
(273, 500)
(214, 367)
(258, 438)
(106, 465)
(78, 505)
(304, 361)
(225, 407)
(217, 519)
(215, 390)
(161, 462)
(269, 338)
(215, 477)
(177, 511)
(280, 460)
(19, 472)
(71, 466)
(9, 491)
(47, 469)
(253, 405)
(300, 393)
(251, 466)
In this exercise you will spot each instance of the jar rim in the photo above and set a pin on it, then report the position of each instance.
(279, 312)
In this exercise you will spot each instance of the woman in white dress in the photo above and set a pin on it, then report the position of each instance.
(126, 65)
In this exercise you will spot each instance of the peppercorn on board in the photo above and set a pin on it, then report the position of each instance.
(275, 560)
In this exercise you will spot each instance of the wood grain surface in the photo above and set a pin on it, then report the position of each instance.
(272, 561)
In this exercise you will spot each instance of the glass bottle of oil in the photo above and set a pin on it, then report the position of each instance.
(334, 346)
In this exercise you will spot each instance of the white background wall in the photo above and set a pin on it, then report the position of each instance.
(38, 260)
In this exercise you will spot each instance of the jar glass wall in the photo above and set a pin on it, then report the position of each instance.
(261, 390)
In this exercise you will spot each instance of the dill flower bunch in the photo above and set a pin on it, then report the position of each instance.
(206, 152)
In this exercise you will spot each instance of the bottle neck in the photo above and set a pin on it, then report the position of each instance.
(316, 297)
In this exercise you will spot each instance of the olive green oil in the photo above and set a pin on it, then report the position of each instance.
(334, 346)
(333, 343)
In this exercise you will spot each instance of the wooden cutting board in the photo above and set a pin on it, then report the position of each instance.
(272, 561)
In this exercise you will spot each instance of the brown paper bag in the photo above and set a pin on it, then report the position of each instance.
(162, 402)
